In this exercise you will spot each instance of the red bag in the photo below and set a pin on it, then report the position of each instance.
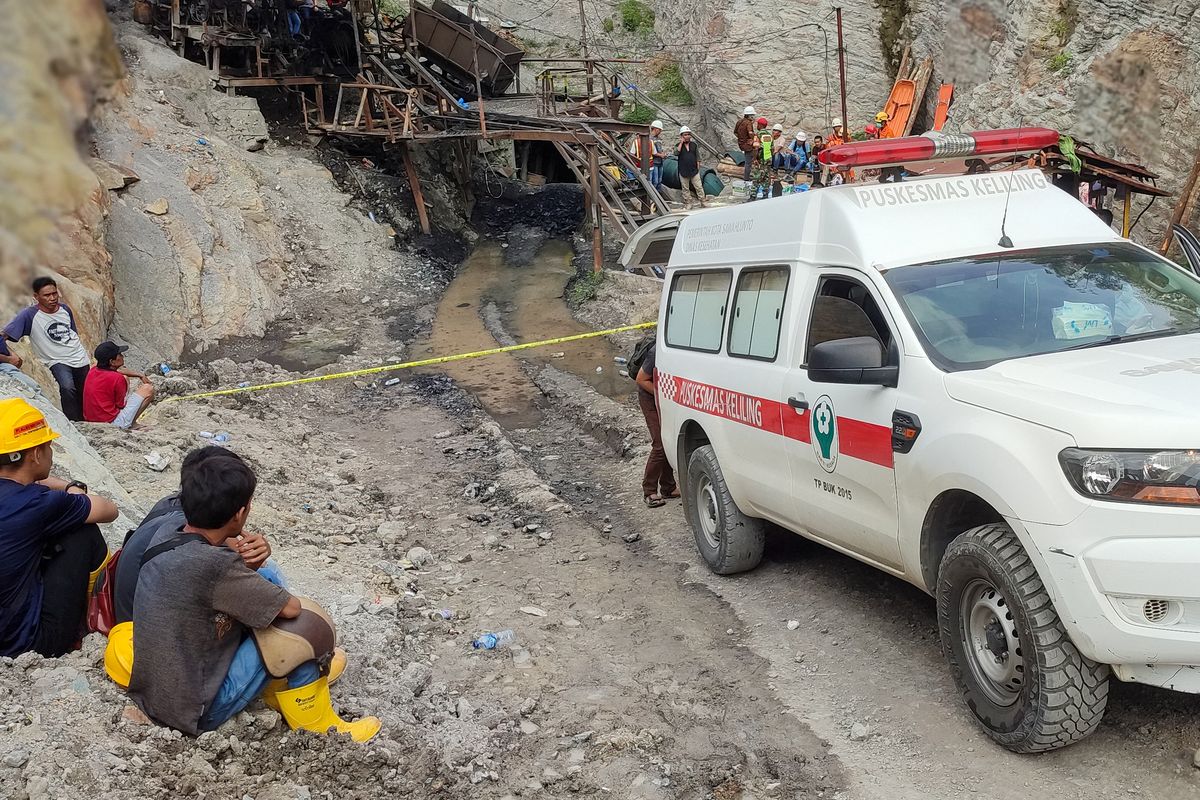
(101, 610)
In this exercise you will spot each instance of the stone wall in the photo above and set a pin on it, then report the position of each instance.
(1117, 73)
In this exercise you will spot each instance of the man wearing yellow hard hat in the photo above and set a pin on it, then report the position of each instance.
(50, 545)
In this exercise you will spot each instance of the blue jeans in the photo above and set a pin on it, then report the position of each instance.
(247, 674)
(293, 22)
(656, 176)
(20, 377)
(788, 161)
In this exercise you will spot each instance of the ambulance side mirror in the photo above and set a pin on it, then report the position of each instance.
(858, 360)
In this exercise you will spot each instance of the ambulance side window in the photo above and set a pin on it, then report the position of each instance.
(844, 309)
(696, 310)
(757, 313)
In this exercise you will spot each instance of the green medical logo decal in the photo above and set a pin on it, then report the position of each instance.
(824, 433)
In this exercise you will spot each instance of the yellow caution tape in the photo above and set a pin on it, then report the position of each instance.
(426, 362)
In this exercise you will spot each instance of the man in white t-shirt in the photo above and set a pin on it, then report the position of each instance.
(52, 333)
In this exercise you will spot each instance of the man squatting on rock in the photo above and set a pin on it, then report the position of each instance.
(50, 546)
(205, 623)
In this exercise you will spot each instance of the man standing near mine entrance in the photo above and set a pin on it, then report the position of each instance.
(688, 159)
(50, 545)
(744, 131)
(54, 337)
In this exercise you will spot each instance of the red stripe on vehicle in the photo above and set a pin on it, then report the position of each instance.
(864, 441)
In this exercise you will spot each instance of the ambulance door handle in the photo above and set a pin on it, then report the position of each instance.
(798, 403)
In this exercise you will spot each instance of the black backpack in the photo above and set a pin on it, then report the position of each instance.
(634, 364)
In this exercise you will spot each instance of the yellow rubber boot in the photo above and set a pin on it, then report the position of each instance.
(337, 665)
(309, 708)
(95, 574)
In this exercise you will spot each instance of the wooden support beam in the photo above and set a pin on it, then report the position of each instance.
(414, 183)
(597, 222)
(1181, 207)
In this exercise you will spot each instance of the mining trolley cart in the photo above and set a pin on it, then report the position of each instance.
(451, 41)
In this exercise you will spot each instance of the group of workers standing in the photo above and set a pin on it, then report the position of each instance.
(687, 159)
(192, 591)
(770, 155)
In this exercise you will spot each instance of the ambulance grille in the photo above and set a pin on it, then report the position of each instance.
(1156, 610)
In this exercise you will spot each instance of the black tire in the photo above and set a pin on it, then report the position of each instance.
(728, 540)
(1048, 695)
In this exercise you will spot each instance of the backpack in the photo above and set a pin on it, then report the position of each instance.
(101, 607)
(634, 364)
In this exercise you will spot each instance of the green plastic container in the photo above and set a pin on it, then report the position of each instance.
(713, 185)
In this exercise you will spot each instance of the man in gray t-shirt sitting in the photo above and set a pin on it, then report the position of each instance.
(195, 663)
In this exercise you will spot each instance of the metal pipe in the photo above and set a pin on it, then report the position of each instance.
(842, 71)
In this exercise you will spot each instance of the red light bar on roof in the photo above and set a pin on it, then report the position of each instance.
(909, 149)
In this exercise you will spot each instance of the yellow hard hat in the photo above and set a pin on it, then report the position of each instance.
(118, 654)
(882, 117)
(21, 427)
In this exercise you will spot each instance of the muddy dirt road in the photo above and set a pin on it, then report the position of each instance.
(866, 654)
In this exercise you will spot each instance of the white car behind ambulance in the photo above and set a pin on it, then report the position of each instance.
(1012, 429)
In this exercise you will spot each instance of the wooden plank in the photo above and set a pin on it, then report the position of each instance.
(1181, 208)
(414, 183)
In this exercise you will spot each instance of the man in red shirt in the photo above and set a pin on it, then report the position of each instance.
(106, 395)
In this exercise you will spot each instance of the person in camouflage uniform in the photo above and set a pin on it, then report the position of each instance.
(762, 174)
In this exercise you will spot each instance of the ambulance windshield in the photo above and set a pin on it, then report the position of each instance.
(974, 312)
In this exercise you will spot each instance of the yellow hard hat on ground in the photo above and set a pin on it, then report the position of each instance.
(21, 427)
(118, 654)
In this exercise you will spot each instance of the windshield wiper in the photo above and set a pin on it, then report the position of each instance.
(1120, 338)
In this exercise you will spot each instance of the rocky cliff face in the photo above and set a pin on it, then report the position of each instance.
(780, 58)
(1117, 73)
(59, 62)
(168, 217)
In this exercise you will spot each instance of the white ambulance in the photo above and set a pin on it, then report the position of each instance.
(1012, 428)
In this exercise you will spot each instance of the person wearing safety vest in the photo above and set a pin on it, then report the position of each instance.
(761, 174)
(51, 549)
(656, 153)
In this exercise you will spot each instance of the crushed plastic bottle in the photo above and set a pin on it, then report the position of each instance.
(244, 385)
(494, 641)
(442, 614)
(620, 360)
(222, 438)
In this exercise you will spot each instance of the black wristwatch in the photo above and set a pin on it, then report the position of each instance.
(77, 485)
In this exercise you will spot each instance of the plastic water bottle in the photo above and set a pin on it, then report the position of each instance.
(442, 614)
(760, 193)
(164, 368)
(493, 641)
(622, 360)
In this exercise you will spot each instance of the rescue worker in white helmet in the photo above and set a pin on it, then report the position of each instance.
(196, 663)
(744, 133)
(51, 549)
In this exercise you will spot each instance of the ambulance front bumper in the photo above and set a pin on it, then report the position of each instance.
(1125, 580)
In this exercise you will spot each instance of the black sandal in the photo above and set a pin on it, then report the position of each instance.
(654, 501)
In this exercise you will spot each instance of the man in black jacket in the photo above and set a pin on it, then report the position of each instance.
(688, 157)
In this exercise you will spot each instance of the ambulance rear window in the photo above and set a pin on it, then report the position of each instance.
(971, 313)
(696, 310)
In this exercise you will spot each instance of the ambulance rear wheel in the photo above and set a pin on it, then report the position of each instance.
(728, 540)
(1017, 669)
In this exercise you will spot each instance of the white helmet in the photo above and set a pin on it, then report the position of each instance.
(778, 127)
(802, 136)
(656, 124)
(745, 111)
(684, 129)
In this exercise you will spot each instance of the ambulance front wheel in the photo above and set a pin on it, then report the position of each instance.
(1017, 669)
(727, 539)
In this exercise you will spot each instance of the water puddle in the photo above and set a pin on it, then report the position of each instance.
(528, 302)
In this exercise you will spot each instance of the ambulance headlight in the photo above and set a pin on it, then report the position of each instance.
(1164, 477)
